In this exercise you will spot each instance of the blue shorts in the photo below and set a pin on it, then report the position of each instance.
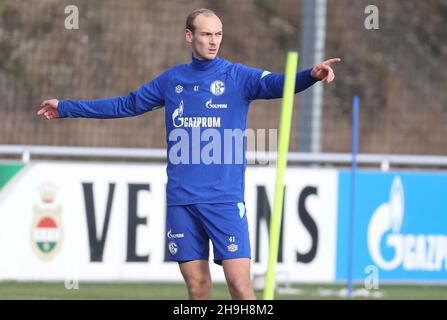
(189, 229)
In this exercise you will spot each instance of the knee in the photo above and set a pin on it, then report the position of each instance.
(241, 290)
(199, 288)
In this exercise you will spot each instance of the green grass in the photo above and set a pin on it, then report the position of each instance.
(170, 291)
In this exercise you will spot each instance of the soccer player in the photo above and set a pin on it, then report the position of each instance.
(205, 195)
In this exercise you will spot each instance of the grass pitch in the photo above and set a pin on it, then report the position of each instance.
(174, 291)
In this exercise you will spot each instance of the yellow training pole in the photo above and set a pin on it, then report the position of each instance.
(283, 149)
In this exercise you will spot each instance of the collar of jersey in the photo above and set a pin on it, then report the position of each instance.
(204, 65)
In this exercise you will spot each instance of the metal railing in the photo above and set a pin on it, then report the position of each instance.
(383, 161)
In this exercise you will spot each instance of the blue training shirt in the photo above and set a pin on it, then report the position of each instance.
(206, 105)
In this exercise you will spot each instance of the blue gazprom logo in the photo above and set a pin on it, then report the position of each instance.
(413, 252)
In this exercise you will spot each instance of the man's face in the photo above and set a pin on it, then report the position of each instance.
(206, 39)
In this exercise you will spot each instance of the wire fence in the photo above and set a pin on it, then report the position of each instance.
(398, 70)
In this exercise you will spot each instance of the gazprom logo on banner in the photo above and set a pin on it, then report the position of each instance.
(412, 252)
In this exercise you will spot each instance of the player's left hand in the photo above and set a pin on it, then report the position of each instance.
(323, 70)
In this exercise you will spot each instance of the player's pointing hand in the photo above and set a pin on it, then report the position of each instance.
(323, 70)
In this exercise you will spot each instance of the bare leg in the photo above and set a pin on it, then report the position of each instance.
(198, 279)
(237, 273)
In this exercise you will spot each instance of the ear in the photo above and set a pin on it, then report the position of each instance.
(188, 35)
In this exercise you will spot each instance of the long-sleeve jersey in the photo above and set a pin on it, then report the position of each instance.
(206, 105)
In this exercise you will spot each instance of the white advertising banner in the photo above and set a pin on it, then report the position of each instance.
(106, 222)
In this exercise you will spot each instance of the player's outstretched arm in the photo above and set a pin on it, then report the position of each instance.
(148, 97)
(48, 109)
(260, 84)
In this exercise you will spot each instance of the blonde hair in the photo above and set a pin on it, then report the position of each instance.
(193, 15)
